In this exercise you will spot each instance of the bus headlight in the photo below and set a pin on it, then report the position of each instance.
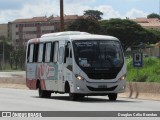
(79, 77)
(122, 77)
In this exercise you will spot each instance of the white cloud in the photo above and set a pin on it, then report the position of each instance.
(41, 8)
(75, 8)
(108, 11)
(48, 7)
(134, 13)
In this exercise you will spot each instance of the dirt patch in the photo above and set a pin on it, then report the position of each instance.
(145, 96)
(15, 86)
(13, 80)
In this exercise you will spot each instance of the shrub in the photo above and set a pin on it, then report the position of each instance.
(150, 72)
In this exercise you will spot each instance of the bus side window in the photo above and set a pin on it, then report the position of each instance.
(30, 53)
(55, 52)
(36, 52)
(48, 52)
(52, 52)
(40, 52)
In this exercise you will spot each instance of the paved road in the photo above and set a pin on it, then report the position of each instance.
(27, 100)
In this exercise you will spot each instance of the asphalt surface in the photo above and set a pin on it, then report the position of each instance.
(28, 100)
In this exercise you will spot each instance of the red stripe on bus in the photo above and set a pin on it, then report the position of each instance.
(43, 86)
(31, 84)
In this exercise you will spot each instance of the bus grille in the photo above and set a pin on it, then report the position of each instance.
(102, 75)
(101, 89)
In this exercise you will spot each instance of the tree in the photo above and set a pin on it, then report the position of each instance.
(85, 25)
(95, 13)
(154, 35)
(5, 45)
(17, 58)
(153, 15)
(21, 53)
(129, 32)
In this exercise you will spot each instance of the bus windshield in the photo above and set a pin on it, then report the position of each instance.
(98, 53)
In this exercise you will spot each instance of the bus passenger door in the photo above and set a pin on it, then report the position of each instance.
(60, 69)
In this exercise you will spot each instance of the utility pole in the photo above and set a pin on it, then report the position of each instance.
(61, 16)
(3, 54)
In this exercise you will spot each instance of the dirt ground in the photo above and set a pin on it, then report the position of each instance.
(14, 86)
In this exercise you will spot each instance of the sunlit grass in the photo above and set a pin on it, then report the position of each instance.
(150, 72)
(7, 68)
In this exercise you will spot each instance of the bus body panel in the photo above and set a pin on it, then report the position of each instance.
(31, 76)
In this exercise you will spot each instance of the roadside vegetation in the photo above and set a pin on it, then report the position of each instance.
(150, 72)
(7, 68)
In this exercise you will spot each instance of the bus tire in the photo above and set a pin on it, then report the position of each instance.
(81, 96)
(44, 93)
(72, 96)
(112, 96)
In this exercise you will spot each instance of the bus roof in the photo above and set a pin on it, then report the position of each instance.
(92, 37)
(77, 35)
(72, 35)
(64, 34)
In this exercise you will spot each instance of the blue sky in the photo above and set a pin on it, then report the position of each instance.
(15, 9)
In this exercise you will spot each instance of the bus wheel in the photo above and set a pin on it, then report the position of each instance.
(112, 96)
(44, 93)
(81, 96)
(72, 96)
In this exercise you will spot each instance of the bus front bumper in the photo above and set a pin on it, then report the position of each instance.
(99, 88)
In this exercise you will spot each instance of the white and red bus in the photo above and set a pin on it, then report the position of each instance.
(77, 63)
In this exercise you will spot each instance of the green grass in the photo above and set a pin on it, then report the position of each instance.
(7, 68)
(150, 72)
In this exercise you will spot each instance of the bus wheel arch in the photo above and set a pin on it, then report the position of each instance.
(37, 84)
(42, 93)
(112, 96)
(72, 96)
(67, 87)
